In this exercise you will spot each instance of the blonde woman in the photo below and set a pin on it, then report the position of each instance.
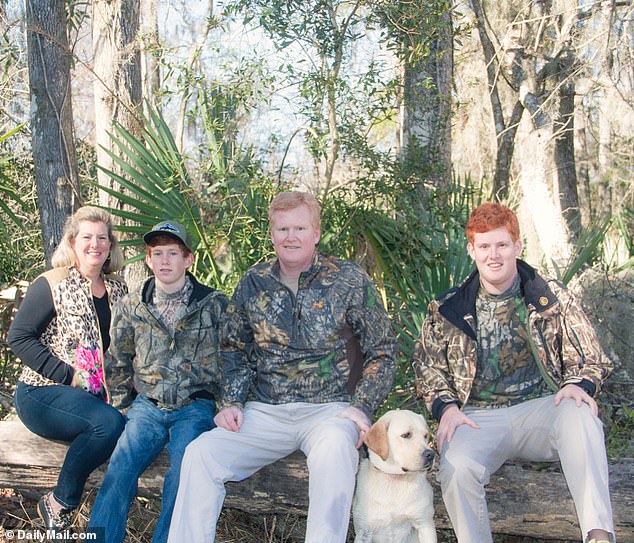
(61, 334)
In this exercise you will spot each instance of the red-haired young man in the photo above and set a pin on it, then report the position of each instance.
(509, 365)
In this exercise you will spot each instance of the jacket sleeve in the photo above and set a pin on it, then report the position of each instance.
(371, 325)
(36, 312)
(432, 370)
(120, 366)
(237, 344)
(210, 366)
(584, 361)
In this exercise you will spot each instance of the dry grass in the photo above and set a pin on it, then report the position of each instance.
(17, 511)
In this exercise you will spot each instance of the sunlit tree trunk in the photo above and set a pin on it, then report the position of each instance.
(53, 142)
(546, 235)
(615, 113)
(150, 66)
(118, 76)
(117, 89)
(531, 68)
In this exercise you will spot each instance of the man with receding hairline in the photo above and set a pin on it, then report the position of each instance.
(309, 355)
(509, 365)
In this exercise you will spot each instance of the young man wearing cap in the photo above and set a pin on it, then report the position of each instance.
(165, 345)
(509, 365)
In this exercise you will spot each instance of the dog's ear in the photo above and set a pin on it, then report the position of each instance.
(376, 439)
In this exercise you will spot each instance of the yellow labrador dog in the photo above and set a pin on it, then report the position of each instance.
(394, 502)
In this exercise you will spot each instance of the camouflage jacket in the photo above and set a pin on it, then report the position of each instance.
(332, 341)
(167, 368)
(445, 356)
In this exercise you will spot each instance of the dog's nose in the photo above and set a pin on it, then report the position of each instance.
(428, 456)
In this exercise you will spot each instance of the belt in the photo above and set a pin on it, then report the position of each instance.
(476, 405)
(198, 395)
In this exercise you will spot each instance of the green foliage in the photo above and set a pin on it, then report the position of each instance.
(156, 186)
(225, 213)
(623, 226)
(344, 95)
(77, 12)
(20, 242)
(586, 251)
(410, 237)
(313, 23)
(620, 434)
(6, 187)
(409, 28)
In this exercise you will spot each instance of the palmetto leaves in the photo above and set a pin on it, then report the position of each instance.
(155, 186)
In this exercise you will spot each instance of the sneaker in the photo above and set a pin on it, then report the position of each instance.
(53, 520)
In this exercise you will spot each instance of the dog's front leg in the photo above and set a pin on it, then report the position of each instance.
(426, 532)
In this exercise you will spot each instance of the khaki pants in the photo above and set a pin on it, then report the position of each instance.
(536, 430)
(271, 432)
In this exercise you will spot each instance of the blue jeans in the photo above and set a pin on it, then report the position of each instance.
(64, 413)
(148, 429)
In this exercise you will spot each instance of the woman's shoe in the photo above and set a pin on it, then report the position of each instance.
(53, 520)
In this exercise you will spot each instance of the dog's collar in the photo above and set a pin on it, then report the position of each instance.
(390, 474)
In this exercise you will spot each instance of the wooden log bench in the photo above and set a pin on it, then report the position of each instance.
(523, 500)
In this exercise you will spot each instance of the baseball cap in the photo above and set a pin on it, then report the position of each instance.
(172, 229)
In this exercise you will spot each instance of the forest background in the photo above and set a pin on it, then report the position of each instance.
(399, 115)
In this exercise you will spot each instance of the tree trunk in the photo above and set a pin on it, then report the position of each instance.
(118, 76)
(53, 141)
(505, 152)
(566, 171)
(426, 109)
(583, 162)
(150, 68)
(117, 90)
(538, 211)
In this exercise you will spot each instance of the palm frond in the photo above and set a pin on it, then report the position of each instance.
(584, 251)
(153, 184)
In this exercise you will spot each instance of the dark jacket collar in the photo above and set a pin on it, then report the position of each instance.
(460, 301)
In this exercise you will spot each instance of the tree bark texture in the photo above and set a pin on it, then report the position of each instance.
(117, 69)
(564, 155)
(522, 500)
(150, 66)
(530, 67)
(53, 144)
(427, 91)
